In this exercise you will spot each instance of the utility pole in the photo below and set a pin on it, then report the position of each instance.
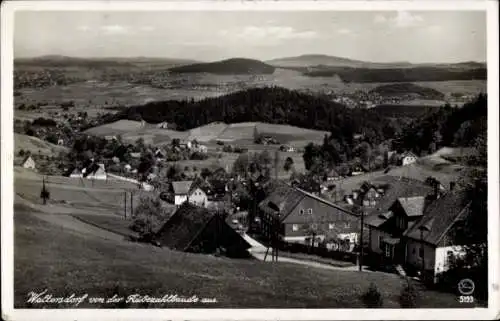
(131, 204)
(361, 252)
(125, 204)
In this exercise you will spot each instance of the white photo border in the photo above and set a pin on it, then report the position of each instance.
(7, 27)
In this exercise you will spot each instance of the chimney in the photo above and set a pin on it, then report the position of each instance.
(452, 186)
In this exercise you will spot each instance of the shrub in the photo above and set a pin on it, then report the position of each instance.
(372, 298)
(227, 149)
(149, 215)
(409, 296)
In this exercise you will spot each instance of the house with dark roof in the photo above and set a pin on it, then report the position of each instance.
(299, 214)
(407, 158)
(196, 229)
(414, 230)
(95, 171)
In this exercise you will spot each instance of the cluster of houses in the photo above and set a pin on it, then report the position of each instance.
(407, 223)
(200, 192)
(95, 171)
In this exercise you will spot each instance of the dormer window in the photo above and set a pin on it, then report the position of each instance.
(301, 212)
(310, 211)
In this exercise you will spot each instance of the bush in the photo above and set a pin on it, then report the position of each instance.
(198, 156)
(409, 296)
(372, 298)
(149, 215)
(227, 149)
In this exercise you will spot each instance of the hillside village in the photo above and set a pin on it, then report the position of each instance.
(264, 184)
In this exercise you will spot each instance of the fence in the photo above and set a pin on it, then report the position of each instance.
(321, 251)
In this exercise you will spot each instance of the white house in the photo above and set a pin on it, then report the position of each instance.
(181, 191)
(198, 197)
(60, 141)
(97, 171)
(29, 163)
(127, 167)
(408, 158)
(416, 232)
(76, 173)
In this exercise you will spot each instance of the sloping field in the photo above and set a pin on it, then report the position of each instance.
(106, 266)
(77, 195)
(36, 145)
(207, 132)
(119, 127)
(238, 131)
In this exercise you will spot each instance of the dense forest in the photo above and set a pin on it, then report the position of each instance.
(232, 66)
(364, 75)
(447, 127)
(274, 105)
(401, 89)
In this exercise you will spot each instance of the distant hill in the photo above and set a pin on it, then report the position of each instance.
(66, 61)
(231, 66)
(316, 60)
(403, 89)
(418, 73)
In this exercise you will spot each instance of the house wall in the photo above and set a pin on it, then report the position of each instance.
(375, 238)
(198, 197)
(179, 199)
(98, 176)
(413, 258)
(30, 163)
(442, 258)
(409, 160)
(323, 215)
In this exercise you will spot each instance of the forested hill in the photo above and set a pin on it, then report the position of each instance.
(447, 127)
(401, 89)
(232, 66)
(365, 75)
(271, 104)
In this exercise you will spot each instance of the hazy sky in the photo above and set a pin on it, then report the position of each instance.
(427, 36)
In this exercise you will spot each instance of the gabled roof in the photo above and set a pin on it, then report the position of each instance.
(439, 217)
(393, 190)
(408, 154)
(285, 198)
(413, 206)
(182, 187)
(183, 226)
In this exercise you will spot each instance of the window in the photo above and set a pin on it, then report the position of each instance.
(331, 226)
(347, 224)
(301, 212)
(314, 226)
(372, 202)
(380, 242)
(420, 252)
(295, 227)
(310, 211)
(414, 251)
(387, 250)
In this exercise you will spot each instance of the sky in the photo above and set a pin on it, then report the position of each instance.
(377, 36)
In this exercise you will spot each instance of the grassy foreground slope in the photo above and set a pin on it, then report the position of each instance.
(48, 256)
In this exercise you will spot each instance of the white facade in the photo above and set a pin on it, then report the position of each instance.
(198, 197)
(409, 159)
(179, 199)
(99, 174)
(444, 255)
(29, 163)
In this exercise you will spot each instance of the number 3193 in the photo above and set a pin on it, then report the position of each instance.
(466, 299)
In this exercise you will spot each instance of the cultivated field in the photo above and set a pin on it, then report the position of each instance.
(91, 92)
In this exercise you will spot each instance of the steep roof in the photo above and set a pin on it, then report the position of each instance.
(184, 225)
(439, 217)
(394, 190)
(413, 206)
(285, 198)
(408, 154)
(181, 187)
